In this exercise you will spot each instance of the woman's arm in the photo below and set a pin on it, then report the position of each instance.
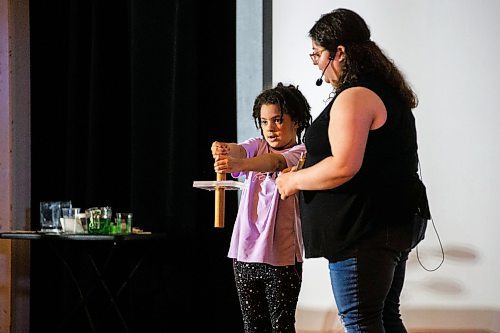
(353, 114)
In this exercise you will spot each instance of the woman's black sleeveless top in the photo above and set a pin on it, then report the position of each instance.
(383, 191)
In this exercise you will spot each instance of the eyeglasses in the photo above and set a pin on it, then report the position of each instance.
(315, 56)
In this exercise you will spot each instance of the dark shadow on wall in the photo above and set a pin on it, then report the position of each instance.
(430, 259)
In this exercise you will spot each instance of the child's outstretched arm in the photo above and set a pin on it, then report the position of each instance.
(231, 157)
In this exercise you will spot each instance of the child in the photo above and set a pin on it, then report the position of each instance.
(266, 244)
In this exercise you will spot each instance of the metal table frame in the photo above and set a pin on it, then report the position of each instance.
(115, 240)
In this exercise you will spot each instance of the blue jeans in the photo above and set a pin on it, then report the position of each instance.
(368, 279)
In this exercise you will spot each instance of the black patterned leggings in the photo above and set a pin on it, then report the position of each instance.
(268, 296)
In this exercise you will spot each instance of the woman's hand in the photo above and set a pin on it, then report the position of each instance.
(286, 183)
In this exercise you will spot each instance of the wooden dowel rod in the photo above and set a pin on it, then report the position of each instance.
(219, 202)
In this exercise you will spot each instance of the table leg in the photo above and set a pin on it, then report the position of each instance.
(79, 290)
(99, 273)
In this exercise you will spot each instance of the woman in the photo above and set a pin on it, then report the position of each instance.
(362, 205)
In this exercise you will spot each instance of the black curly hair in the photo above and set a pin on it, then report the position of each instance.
(363, 56)
(290, 101)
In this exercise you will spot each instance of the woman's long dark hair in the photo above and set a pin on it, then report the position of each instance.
(364, 58)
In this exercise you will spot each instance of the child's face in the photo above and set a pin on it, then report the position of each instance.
(280, 133)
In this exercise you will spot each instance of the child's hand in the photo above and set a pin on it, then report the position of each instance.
(297, 167)
(219, 149)
(227, 164)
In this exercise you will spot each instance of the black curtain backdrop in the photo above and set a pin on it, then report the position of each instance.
(127, 97)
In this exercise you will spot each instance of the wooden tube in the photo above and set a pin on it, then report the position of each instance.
(219, 202)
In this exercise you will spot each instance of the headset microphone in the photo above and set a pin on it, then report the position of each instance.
(320, 80)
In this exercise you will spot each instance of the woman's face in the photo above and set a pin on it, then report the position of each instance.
(280, 133)
(321, 58)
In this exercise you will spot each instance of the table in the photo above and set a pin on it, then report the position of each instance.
(113, 243)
